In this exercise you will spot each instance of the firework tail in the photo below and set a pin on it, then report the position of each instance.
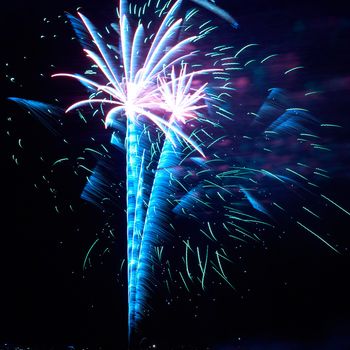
(157, 218)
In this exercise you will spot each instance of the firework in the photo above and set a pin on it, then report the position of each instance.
(193, 148)
(147, 92)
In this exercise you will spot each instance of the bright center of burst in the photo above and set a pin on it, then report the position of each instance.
(131, 100)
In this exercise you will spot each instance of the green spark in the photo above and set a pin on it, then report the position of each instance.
(293, 69)
(88, 253)
(316, 235)
(337, 205)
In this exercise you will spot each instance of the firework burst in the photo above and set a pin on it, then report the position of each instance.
(147, 92)
(176, 104)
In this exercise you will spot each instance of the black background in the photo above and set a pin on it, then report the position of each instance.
(295, 294)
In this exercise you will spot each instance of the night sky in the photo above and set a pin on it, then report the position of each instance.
(292, 292)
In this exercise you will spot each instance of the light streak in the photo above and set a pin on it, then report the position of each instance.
(318, 236)
(335, 204)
